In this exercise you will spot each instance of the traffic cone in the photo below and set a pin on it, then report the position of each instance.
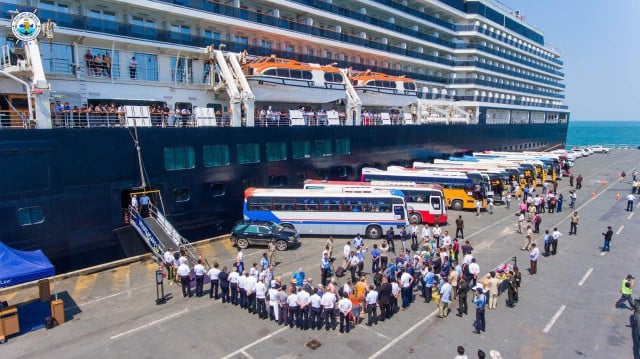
(604, 182)
(617, 196)
(593, 194)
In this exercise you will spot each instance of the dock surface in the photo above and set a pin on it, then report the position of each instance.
(565, 311)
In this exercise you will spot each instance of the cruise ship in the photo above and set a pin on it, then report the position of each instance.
(195, 100)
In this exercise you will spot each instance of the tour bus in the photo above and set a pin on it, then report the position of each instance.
(460, 191)
(425, 202)
(328, 212)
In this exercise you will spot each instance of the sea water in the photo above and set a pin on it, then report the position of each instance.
(606, 133)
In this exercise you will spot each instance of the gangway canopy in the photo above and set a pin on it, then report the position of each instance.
(23, 266)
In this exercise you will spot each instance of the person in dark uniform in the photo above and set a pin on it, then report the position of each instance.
(384, 298)
(223, 277)
(579, 182)
(512, 290)
(463, 290)
(608, 235)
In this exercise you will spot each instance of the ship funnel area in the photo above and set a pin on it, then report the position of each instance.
(156, 231)
(430, 111)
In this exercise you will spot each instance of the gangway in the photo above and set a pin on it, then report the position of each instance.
(159, 235)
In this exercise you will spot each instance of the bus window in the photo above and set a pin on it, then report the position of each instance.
(398, 211)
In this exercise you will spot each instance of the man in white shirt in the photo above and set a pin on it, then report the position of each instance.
(426, 233)
(215, 282)
(474, 270)
(184, 273)
(345, 306)
(316, 310)
(372, 301)
(242, 281)
(446, 239)
(294, 308)
(250, 289)
(199, 270)
(358, 241)
(533, 258)
(395, 292)
(304, 301)
(346, 253)
(168, 263)
(273, 302)
(555, 236)
(406, 280)
(630, 199)
(328, 302)
(261, 299)
(234, 277)
(436, 231)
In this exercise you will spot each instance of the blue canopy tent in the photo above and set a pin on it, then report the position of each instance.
(21, 266)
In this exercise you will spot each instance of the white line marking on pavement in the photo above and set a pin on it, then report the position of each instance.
(553, 319)
(363, 326)
(150, 324)
(401, 336)
(586, 275)
(246, 354)
(619, 230)
(103, 298)
(602, 254)
(255, 342)
(629, 216)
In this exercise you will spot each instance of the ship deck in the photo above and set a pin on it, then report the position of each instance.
(565, 310)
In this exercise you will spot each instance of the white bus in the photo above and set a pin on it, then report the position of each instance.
(327, 212)
(425, 202)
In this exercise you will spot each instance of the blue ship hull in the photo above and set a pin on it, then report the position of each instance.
(80, 178)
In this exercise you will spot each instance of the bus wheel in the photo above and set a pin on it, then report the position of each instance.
(374, 232)
(415, 218)
(457, 205)
(242, 243)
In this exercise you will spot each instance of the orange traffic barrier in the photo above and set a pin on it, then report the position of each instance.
(617, 196)
(604, 182)
(593, 194)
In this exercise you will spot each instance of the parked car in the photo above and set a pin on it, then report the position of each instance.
(600, 149)
(246, 233)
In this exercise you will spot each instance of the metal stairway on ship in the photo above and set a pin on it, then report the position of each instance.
(159, 235)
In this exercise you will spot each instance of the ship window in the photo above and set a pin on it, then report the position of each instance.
(50, 5)
(277, 181)
(270, 72)
(307, 75)
(102, 20)
(332, 77)
(214, 36)
(343, 171)
(181, 70)
(301, 149)
(29, 216)
(322, 148)
(248, 152)
(217, 189)
(283, 72)
(296, 74)
(182, 194)
(179, 158)
(343, 146)
(147, 66)
(276, 151)
(249, 182)
(409, 86)
(215, 155)
(57, 58)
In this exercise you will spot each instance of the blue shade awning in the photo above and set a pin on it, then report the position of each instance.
(22, 266)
